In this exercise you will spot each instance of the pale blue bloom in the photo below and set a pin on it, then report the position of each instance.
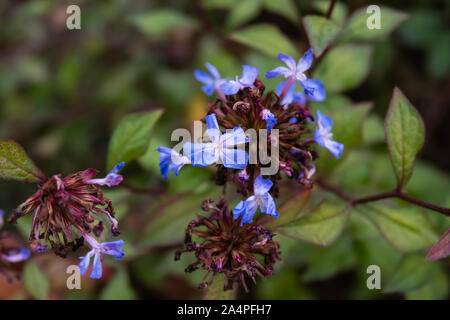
(293, 70)
(221, 149)
(249, 75)
(270, 119)
(170, 160)
(323, 135)
(17, 256)
(111, 248)
(211, 81)
(261, 199)
(112, 178)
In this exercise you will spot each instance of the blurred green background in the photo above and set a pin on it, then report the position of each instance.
(62, 93)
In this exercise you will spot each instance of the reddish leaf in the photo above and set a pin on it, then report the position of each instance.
(441, 249)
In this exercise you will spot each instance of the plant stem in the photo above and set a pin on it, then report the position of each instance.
(286, 88)
(330, 9)
(396, 193)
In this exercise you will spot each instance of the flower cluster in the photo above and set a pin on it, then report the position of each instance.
(228, 247)
(289, 126)
(67, 210)
(12, 253)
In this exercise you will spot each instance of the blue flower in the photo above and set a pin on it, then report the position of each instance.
(323, 135)
(17, 256)
(211, 81)
(313, 90)
(111, 248)
(221, 149)
(261, 199)
(112, 178)
(293, 70)
(170, 160)
(249, 75)
(270, 119)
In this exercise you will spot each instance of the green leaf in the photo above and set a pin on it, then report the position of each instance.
(290, 209)
(407, 229)
(159, 22)
(36, 281)
(321, 227)
(243, 12)
(327, 262)
(219, 4)
(285, 8)
(373, 130)
(435, 289)
(216, 292)
(171, 215)
(119, 288)
(405, 135)
(339, 13)
(345, 67)
(283, 284)
(333, 102)
(411, 273)
(348, 123)
(131, 137)
(321, 32)
(356, 28)
(266, 38)
(15, 163)
(442, 248)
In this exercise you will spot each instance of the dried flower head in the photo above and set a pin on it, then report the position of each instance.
(65, 208)
(237, 251)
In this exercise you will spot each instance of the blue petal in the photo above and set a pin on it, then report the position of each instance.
(212, 70)
(234, 138)
(246, 209)
(211, 121)
(14, 256)
(278, 72)
(334, 147)
(318, 137)
(234, 158)
(97, 268)
(249, 75)
(84, 264)
(268, 206)
(306, 61)
(209, 89)
(314, 90)
(117, 167)
(300, 97)
(262, 185)
(230, 87)
(270, 123)
(289, 97)
(251, 205)
(200, 154)
(324, 121)
(114, 249)
(289, 61)
(239, 210)
(203, 77)
(293, 120)
(166, 163)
